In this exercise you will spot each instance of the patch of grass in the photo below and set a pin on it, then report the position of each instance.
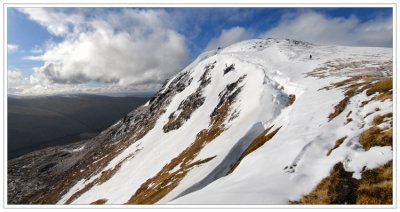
(337, 144)
(347, 82)
(339, 108)
(353, 87)
(99, 202)
(292, 98)
(379, 119)
(375, 136)
(255, 144)
(338, 188)
(383, 96)
(382, 86)
(376, 186)
(356, 85)
(199, 162)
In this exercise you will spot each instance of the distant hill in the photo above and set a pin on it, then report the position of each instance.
(38, 122)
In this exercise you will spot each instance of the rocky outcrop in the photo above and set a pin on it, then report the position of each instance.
(190, 104)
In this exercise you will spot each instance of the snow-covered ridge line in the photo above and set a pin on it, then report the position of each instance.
(275, 70)
(247, 124)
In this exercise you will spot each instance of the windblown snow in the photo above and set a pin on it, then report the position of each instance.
(258, 78)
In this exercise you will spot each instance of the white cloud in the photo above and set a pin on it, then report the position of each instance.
(228, 37)
(14, 76)
(55, 20)
(12, 48)
(124, 49)
(17, 83)
(318, 28)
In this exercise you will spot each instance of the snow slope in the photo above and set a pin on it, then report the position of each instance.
(265, 74)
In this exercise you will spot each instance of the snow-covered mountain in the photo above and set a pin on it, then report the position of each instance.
(263, 121)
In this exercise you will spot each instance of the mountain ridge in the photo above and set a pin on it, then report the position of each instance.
(263, 103)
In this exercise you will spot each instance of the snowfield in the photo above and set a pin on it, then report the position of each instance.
(286, 167)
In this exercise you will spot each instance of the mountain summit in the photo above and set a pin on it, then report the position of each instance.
(263, 121)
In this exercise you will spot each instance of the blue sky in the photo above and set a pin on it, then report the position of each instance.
(53, 49)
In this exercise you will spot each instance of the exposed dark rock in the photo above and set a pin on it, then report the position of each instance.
(190, 104)
(205, 78)
(229, 94)
(297, 42)
(229, 68)
(187, 107)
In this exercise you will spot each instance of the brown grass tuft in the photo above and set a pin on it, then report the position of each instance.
(347, 82)
(338, 188)
(339, 108)
(99, 202)
(353, 86)
(257, 143)
(382, 86)
(379, 119)
(383, 96)
(376, 186)
(374, 136)
(337, 144)
(292, 98)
